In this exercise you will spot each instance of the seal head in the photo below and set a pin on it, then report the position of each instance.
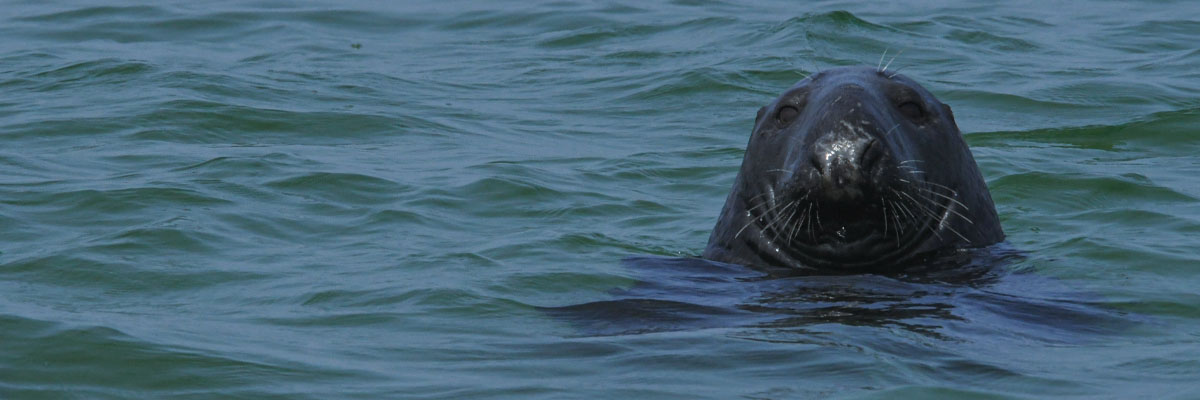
(854, 169)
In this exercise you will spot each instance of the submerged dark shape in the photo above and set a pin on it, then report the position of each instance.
(978, 299)
(854, 169)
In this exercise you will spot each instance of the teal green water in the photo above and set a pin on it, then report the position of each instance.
(440, 200)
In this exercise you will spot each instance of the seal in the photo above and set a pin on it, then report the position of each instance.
(854, 169)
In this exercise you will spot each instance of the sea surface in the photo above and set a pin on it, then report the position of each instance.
(506, 199)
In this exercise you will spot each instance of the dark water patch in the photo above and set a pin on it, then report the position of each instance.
(54, 129)
(1023, 20)
(642, 167)
(599, 35)
(1100, 93)
(385, 220)
(1155, 132)
(160, 239)
(360, 319)
(1012, 106)
(508, 190)
(820, 30)
(339, 298)
(696, 84)
(915, 392)
(1079, 192)
(1096, 249)
(333, 19)
(282, 228)
(439, 300)
(1140, 219)
(95, 13)
(993, 42)
(193, 121)
(102, 362)
(527, 195)
(578, 241)
(113, 201)
(591, 242)
(116, 277)
(151, 24)
(223, 87)
(624, 209)
(1186, 308)
(509, 19)
(689, 294)
(88, 73)
(340, 188)
(225, 167)
(557, 284)
(1153, 37)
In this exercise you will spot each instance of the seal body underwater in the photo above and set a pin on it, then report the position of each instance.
(854, 169)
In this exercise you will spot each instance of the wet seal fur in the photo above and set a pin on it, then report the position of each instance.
(854, 169)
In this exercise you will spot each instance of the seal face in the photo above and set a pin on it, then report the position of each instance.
(853, 169)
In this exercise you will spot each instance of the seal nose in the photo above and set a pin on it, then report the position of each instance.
(842, 163)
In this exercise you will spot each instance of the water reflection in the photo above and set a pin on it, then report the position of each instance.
(944, 299)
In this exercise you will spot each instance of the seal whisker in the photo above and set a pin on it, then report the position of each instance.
(889, 131)
(757, 196)
(775, 217)
(948, 208)
(901, 203)
(818, 215)
(750, 213)
(759, 217)
(885, 67)
(747, 225)
(883, 206)
(899, 224)
(943, 224)
(934, 215)
(911, 170)
(778, 170)
(964, 238)
(922, 207)
(808, 219)
(928, 225)
(952, 191)
(896, 216)
(955, 201)
(881, 56)
(789, 219)
(800, 222)
(908, 213)
(752, 201)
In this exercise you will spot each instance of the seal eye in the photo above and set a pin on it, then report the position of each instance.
(911, 110)
(787, 114)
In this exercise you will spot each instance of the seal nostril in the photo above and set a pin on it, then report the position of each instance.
(871, 154)
(816, 164)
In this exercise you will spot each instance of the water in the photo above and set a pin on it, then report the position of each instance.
(490, 200)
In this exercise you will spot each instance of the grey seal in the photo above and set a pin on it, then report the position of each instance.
(854, 169)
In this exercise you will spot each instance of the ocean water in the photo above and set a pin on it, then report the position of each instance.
(503, 200)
